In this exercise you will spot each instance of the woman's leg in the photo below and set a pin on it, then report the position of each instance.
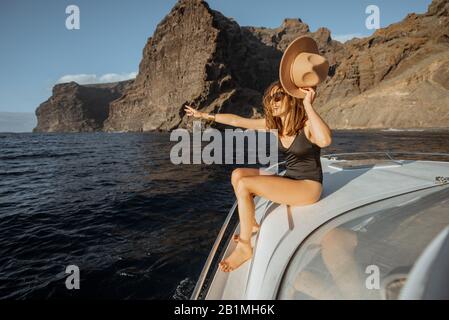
(282, 190)
(243, 250)
(275, 188)
(239, 173)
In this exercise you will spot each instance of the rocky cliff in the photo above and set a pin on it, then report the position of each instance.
(395, 78)
(398, 77)
(78, 108)
(195, 56)
(290, 29)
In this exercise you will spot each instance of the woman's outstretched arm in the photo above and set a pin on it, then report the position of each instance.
(241, 122)
(229, 119)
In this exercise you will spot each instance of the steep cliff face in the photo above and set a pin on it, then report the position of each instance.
(196, 56)
(78, 108)
(290, 29)
(398, 77)
(395, 78)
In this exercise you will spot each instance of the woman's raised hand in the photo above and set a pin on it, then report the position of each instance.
(193, 112)
(310, 95)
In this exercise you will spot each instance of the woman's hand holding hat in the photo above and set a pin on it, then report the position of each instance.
(309, 95)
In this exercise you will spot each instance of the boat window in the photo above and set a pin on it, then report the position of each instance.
(367, 252)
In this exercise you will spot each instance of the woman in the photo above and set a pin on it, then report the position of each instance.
(302, 134)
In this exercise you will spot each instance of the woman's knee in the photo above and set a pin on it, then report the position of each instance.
(236, 175)
(242, 187)
(239, 173)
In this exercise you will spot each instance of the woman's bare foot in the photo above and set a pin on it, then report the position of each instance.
(254, 231)
(242, 252)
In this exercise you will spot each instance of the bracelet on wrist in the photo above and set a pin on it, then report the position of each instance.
(210, 117)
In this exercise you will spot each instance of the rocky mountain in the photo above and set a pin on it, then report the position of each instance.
(78, 108)
(195, 56)
(398, 77)
(290, 29)
(395, 78)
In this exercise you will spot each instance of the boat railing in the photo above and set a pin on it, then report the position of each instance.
(391, 155)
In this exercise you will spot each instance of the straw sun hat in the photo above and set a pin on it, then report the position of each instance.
(302, 66)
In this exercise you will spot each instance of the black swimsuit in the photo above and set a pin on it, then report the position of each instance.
(303, 159)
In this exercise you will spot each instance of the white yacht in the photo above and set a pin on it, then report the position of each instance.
(379, 231)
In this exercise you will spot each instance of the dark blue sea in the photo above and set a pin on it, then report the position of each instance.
(136, 225)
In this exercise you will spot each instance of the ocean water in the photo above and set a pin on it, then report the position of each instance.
(136, 225)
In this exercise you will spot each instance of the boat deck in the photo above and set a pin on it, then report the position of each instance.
(283, 228)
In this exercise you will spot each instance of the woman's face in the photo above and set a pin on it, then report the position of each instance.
(277, 106)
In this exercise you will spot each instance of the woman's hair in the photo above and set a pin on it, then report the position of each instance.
(296, 118)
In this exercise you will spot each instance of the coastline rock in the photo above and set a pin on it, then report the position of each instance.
(398, 77)
(199, 57)
(78, 108)
(232, 67)
(290, 29)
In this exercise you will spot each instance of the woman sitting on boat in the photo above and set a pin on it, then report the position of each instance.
(301, 135)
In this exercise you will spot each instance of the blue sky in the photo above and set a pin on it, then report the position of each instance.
(38, 51)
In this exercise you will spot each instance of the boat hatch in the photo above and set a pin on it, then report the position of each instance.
(363, 164)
